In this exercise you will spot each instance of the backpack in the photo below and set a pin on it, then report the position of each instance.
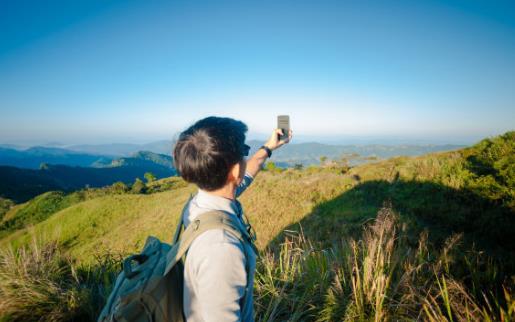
(150, 285)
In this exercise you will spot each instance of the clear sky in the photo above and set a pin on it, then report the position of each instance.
(137, 71)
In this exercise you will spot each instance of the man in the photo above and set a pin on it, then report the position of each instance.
(211, 154)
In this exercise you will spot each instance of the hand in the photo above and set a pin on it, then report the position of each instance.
(274, 142)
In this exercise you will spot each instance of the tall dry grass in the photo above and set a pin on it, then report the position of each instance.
(379, 277)
(41, 283)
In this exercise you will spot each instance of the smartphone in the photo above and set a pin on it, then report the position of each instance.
(283, 122)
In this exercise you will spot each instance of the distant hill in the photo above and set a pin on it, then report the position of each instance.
(144, 159)
(309, 153)
(22, 184)
(124, 149)
(33, 157)
(291, 154)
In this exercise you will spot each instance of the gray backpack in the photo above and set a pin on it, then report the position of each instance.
(150, 286)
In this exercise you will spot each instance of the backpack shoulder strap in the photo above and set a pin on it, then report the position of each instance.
(215, 219)
(180, 223)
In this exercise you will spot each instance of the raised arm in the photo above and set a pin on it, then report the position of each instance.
(255, 163)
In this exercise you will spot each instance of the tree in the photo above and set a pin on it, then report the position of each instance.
(150, 177)
(270, 166)
(5, 205)
(344, 165)
(298, 166)
(323, 159)
(138, 186)
(118, 188)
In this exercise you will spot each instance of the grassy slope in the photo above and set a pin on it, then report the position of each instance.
(325, 200)
(121, 223)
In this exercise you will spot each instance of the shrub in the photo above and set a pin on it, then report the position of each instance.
(5, 205)
(138, 186)
(298, 166)
(150, 177)
(272, 167)
(117, 188)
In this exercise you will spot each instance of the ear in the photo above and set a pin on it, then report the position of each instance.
(234, 173)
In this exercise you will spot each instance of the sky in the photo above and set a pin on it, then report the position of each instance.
(364, 71)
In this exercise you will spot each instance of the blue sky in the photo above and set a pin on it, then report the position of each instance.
(137, 71)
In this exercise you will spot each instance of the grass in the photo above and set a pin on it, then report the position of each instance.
(102, 223)
(378, 277)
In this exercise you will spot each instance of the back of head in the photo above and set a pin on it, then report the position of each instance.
(206, 151)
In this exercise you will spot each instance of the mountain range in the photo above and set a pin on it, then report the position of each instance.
(308, 153)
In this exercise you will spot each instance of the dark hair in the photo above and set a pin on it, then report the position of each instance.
(206, 151)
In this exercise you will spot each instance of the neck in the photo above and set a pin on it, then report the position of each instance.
(228, 191)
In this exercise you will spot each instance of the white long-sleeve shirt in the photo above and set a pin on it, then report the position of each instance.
(215, 273)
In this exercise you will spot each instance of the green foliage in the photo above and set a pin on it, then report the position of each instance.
(5, 205)
(323, 159)
(272, 167)
(166, 185)
(138, 186)
(150, 177)
(492, 163)
(117, 188)
(298, 166)
(44, 166)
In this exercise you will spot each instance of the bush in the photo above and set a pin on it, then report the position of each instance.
(117, 188)
(272, 167)
(5, 205)
(138, 186)
(150, 177)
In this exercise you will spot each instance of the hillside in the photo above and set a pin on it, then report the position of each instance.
(22, 184)
(438, 199)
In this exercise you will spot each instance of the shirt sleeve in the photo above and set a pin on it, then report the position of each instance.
(247, 180)
(221, 278)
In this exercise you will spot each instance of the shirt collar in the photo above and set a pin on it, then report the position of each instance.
(208, 200)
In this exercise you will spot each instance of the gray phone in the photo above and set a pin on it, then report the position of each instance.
(283, 122)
